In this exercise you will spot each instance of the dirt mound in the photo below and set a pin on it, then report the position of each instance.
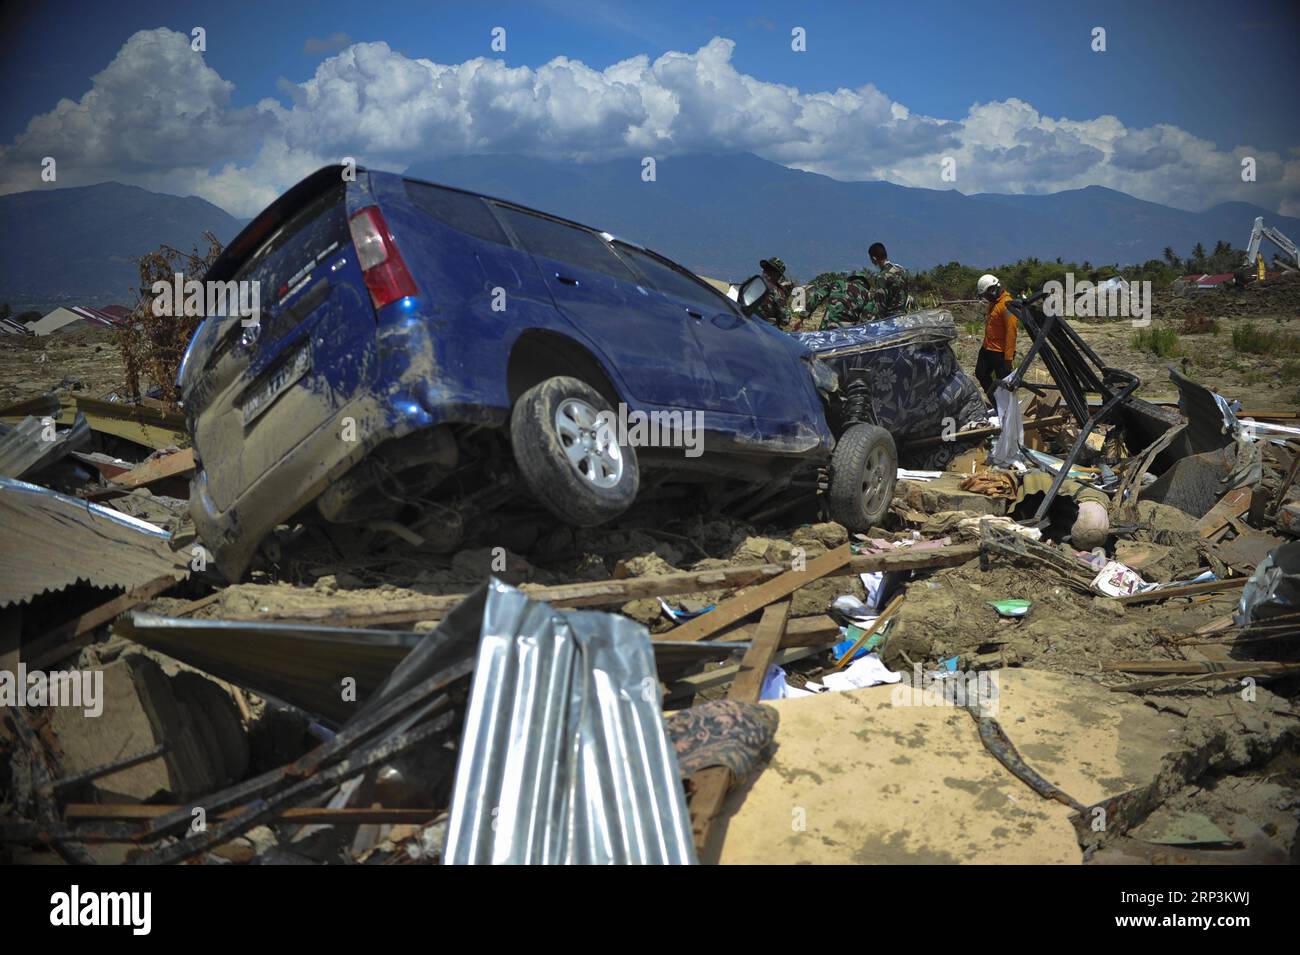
(1278, 295)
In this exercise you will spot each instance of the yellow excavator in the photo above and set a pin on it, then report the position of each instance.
(1288, 259)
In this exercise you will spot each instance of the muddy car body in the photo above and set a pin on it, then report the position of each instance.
(403, 324)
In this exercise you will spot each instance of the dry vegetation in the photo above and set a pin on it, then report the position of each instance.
(152, 345)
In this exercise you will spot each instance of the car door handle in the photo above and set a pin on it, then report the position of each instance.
(694, 314)
(566, 279)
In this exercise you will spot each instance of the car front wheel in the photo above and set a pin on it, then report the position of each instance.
(570, 457)
(864, 468)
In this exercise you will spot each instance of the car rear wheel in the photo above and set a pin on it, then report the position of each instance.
(570, 459)
(864, 467)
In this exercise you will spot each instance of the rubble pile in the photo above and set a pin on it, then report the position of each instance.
(1095, 607)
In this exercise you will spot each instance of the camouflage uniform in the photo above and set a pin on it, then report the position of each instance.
(848, 299)
(890, 296)
(775, 309)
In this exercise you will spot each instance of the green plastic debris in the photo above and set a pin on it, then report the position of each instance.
(1011, 608)
(1183, 829)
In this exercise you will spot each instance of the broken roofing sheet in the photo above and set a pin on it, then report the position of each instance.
(26, 448)
(301, 663)
(564, 758)
(52, 541)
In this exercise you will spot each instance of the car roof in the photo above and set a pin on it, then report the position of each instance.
(529, 209)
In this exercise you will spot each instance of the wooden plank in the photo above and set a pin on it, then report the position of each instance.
(347, 816)
(63, 640)
(718, 676)
(1285, 486)
(1275, 414)
(708, 793)
(606, 592)
(756, 598)
(1219, 671)
(146, 426)
(709, 786)
(1196, 666)
(876, 627)
(962, 436)
(814, 631)
(1187, 590)
(199, 604)
(1233, 504)
(156, 469)
(748, 685)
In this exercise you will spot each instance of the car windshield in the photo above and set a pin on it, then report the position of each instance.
(672, 280)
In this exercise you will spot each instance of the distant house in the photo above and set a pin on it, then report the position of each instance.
(62, 319)
(1205, 281)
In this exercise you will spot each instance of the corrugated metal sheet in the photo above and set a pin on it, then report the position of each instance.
(50, 541)
(24, 448)
(304, 664)
(564, 758)
(299, 664)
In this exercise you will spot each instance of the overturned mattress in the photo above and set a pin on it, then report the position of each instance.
(915, 380)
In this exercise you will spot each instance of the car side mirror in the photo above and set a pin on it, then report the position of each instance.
(752, 292)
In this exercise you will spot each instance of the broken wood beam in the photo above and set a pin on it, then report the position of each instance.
(756, 598)
(1223, 672)
(748, 685)
(1233, 504)
(963, 436)
(815, 631)
(605, 592)
(880, 623)
(55, 644)
(303, 815)
(1228, 667)
(718, 676)
(156, 469)
(709, 786)
(1186, 590)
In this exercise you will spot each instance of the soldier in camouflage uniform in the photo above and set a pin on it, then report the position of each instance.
(848, 299)
(776, 307)
(890, 296)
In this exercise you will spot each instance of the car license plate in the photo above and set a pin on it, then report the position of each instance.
(273, 387)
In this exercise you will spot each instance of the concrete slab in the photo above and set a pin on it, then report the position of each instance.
(857, 779)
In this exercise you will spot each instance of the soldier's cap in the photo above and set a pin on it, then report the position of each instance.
(773, 265)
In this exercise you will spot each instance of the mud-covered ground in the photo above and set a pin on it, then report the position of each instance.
(945, 613)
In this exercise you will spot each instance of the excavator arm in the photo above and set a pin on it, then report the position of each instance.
(1261, 232)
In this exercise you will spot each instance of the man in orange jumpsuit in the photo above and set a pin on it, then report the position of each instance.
(998, 350)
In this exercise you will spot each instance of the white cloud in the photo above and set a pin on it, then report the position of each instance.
(159, 117)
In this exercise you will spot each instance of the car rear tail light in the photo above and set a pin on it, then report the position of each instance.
(386, 275)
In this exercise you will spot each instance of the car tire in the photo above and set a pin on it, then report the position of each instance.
(864, 469)
(574, 466)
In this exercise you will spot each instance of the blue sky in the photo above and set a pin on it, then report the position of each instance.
(1223, 75)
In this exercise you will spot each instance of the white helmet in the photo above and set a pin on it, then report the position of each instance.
(985, 283)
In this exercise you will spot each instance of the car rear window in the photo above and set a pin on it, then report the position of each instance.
(319, 227)
(460, 210)
(673, 281)
(557, 240)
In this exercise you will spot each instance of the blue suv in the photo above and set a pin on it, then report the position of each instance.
(423, 352)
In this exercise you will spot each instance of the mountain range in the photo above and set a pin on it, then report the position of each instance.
(717, 214)
(75, 246)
